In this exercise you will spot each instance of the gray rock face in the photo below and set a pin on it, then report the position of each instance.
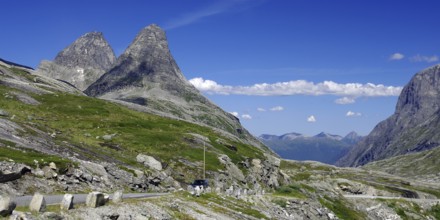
(413, 127)
(81, 63)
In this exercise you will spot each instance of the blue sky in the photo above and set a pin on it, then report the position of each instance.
(281, 65)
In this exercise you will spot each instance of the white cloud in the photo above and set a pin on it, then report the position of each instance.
(345, 100)
(397, 56)
(311, 119)
(428, 59)
(234, 114)
(298, 87)
(246, 116)
(277, 108)
(261, 109)
(353, 114)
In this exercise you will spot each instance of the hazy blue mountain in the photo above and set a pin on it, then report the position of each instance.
(323, 147)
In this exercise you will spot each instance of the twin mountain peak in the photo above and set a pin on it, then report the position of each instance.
(145, 77)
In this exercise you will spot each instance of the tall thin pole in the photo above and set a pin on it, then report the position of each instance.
(204, 160)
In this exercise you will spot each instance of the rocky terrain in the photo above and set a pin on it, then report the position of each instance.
(82, 62)
(323, 147)
(412, 128)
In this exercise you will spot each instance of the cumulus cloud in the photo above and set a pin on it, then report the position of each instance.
(298, 87)
(397, 56)
(277, 108)
(311, 119)
(428, 59)
(246, 116)
(234, 114)
(353, 114)
(261, 109)
(345, 100)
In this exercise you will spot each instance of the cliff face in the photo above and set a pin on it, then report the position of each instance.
(413, 127)
(82, 62)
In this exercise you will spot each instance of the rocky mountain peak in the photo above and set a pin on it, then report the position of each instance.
(412, 128)
(327, 135)
(90, 51)
(146, 60)
(420, 98)
(82, 62)
(147, 74)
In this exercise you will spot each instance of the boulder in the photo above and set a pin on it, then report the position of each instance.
(53, 166)
(38, 203)
(117, 196)
(49, 173)
(3, 113)
(149, 161)
(95, 199)
(7, 206)
(231, 168)
(67, 202)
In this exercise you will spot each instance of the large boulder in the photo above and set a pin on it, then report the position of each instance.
(7, 206)
(149, 161)
(232, 169)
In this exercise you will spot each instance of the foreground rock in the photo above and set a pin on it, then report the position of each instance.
(95, 199)
(38, 203)
(67, 202)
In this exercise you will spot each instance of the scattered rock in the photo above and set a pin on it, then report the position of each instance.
(149, 161)
(38, 203)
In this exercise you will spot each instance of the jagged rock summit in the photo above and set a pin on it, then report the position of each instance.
(82, 62)
(146, 61)
(414, 127)
(147, 74)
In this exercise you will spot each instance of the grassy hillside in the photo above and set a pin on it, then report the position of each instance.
(98, 130)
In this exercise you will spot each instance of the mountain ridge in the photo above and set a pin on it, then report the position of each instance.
(322, 147)
(412, 128)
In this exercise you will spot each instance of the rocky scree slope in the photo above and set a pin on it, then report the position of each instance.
(82, 62)
(147, 74)
(414, 126)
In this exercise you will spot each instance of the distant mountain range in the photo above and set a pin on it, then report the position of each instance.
(323, 147)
